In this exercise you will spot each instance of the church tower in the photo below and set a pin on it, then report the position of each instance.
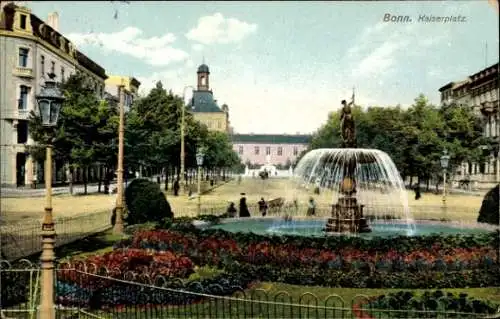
(203, 78)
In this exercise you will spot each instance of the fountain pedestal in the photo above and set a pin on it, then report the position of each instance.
(347, 217)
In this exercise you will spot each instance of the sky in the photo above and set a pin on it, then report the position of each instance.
(283, 66)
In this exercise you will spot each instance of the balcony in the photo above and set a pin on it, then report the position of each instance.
(16, 114)
(23, 72)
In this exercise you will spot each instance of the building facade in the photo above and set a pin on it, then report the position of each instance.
(29, 50)
(130, 88)
(481, 91)
(257, 149)
(204, 106)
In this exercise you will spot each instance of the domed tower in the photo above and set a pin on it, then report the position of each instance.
(203, 78)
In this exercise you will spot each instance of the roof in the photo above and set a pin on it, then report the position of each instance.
(271, 138)
(204, 102)
(447, 86)
(52, 37)
(460, 84)
(203, 68)
(492, 68)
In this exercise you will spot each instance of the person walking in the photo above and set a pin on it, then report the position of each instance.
(311, 207)
(262, 207)
(416, 188)
(244, 212)
(231, 210)
(176, 187)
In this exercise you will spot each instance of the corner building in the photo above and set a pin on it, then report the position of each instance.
(30, 49)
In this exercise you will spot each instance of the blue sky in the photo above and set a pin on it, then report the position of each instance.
(282, 66)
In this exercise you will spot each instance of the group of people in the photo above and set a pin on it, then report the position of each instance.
(243, 207)
(263, 207)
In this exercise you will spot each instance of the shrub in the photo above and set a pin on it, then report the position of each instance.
(489, 209)
(433, 301)
(146, 202)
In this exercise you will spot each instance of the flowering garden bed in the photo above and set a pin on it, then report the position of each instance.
(167, 258)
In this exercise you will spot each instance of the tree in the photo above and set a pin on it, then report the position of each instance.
(414, 138)
(85, 125)
(153, 136)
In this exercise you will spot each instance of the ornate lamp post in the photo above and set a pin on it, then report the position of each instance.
(445, 159)
(199, 162)
(188, 97)
(49, 101)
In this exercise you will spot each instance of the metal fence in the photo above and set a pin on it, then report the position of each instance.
(23, 239)
(83, 291)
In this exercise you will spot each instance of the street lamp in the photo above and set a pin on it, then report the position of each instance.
(445, 159)
(199, 162)
(188, 98)
(118, 227)
(49, 102)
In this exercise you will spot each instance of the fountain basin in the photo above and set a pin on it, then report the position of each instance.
(314, 227)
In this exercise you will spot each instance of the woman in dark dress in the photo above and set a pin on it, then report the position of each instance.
(244, 212)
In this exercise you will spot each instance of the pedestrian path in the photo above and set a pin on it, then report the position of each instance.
(60, 190)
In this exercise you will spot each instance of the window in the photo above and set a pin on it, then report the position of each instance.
(268, 150)
(203, 81)
(23, 21)
(240, 150)
(257, 150)
(42, 65)
(62, 74)
(219, 124)
(280, 151)
(52, 67)
(22, 132)
(23, 97)
(23, 57)
(295, 150)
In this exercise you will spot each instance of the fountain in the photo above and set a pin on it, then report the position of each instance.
(365, 194)
(351, 173)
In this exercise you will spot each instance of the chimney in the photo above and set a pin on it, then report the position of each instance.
(53, 21)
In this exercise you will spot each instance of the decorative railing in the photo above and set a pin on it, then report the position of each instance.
(84, 291)
(24, 238)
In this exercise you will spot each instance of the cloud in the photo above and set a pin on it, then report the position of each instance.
(197, 47)
(217, 29)
(381, 47)
(156, 50)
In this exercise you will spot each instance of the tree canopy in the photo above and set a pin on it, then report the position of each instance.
(153, 134)
(415, 137)
(87, 131)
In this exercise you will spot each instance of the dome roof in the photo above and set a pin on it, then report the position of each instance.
(203, 69)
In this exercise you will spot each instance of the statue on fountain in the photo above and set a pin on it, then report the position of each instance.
(347, 214)
(347, 125)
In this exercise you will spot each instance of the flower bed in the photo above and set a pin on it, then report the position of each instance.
(118, 263)
(466, 266)
(419, 262)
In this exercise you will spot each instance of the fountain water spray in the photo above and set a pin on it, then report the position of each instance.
(362, 182)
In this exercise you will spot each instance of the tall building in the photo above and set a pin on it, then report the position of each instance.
(29, 50)
(480, 90)
(205, 107)
(130, 88)
(281, 149)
